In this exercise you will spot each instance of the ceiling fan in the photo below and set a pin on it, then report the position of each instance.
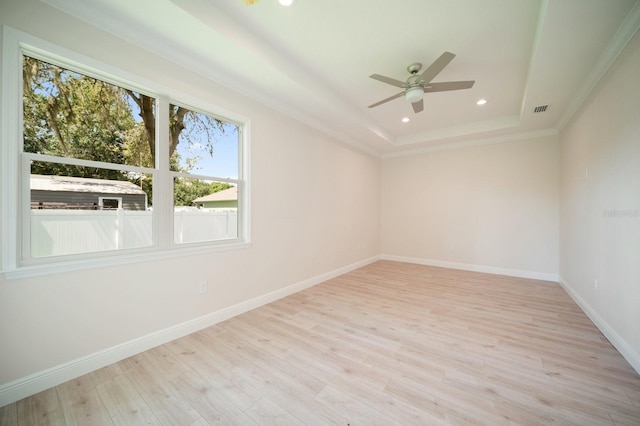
(419, 84)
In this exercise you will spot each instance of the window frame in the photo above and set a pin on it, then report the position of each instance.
(15, 263)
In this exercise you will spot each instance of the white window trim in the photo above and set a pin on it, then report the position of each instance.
(11, 122)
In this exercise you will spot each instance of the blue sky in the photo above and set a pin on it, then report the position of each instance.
(223, 163)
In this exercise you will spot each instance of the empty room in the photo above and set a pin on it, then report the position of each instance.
(255, 212)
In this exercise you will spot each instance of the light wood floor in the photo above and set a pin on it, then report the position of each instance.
(390, 343)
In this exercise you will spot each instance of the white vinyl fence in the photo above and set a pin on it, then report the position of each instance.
(58, 232)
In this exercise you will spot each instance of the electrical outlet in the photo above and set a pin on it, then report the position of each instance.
(203, 287)
(595, 284)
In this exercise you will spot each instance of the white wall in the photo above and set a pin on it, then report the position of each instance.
(600, 204)
(491, 208)
(299, 178)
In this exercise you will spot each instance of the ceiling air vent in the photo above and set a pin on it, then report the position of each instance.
(541, 108)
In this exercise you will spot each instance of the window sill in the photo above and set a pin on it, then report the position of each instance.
(29, 271)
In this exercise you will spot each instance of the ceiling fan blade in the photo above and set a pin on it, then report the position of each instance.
(418, 106)
(448, 85)
(387, 100)
(435, 68)
(388, 80)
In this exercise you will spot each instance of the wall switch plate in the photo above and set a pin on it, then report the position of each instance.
(203, 287)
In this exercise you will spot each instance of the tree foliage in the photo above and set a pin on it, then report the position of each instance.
(72, 115)
(187, 190)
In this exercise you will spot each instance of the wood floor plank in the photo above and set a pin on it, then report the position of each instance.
(105, 374)
(81, 403)
(286, 393)
(389, 343)
(9, 415)
(351, 408)
(125, 405)
(265, 412)
(40, 409)
(217, 382)
(168, 405)
(413, 393)
(164, 359)
(208, 398)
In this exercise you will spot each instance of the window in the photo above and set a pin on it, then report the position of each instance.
(106, 167)
(204, 167)
(106, 203)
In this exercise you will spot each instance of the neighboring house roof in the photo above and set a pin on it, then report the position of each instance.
(230, 194)
(76, 184)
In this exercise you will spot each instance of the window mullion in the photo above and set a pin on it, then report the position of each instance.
(244, 230)
(24, 205)
(163, 188)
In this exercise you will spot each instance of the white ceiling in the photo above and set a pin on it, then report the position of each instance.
(312, 60)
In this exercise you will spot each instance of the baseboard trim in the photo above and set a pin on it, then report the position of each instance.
(625, 349)
(475, 268)
(32, 384)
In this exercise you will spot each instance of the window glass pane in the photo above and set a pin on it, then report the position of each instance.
(110, 203)
(84, 208)
(204, 210)
(67, 114)
(202, 144)
(72, 215)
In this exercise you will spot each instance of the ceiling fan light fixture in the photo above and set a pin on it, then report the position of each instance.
(418, 84)
(414, 94)
(286, 2)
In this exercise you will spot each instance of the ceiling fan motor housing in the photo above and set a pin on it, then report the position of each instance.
(414, 68)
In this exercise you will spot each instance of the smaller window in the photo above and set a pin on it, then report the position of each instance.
(107, 203)
(204, 164)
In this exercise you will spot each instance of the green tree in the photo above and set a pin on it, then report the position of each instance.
(71, 115)
(185, 125)
(186, 190)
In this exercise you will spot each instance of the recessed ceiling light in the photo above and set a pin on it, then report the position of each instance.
(286, 2)
(406, 120)
(481, 102)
